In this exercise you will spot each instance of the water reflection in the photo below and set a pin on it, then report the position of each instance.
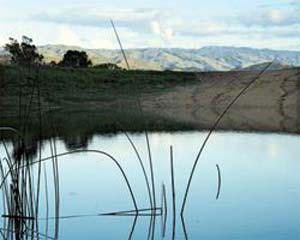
(258, 200)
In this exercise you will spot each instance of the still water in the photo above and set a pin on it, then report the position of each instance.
(259, 195)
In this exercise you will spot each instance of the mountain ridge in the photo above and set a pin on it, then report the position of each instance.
(209, 58)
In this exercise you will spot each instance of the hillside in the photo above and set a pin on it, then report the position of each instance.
(203, 59)
(170, 100)
(261, 66)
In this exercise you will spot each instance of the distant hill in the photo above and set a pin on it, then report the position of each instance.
(4, 57)
(178, 59)
(261, 66)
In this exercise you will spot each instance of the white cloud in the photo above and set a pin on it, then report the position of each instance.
(166, 33)
(2, 40)
(101, 43)
(155, 26)
(271, 17)
(68, 37)
(137, 19)
(89, 26)
(276, 16)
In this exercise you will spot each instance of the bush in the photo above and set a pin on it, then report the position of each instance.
(109, 66)
(73, 58)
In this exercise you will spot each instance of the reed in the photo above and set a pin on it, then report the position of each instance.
(23, 173)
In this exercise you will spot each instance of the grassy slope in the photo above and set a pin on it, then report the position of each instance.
(97, 99)
(78, 85)
(80, 102)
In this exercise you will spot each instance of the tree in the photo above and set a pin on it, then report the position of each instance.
(73, 58)
(52, 63)
(24, 53)
(109, 66)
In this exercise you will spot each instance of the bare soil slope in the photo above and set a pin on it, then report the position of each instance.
(271, 104)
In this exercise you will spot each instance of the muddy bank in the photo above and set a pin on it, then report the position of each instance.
(271, 104)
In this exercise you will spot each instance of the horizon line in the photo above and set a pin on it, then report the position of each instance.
(187, 48)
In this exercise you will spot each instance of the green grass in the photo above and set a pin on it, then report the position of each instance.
(92, 84)
(81, 102)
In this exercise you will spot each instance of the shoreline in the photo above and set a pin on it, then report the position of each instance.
(171, 101)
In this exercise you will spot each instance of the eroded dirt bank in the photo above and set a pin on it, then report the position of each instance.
(271, 104)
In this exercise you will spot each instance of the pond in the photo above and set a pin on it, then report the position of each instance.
(245, 186)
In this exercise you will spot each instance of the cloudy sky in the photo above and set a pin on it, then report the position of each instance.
(154, 23)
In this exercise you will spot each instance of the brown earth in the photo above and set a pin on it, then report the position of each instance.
(271, 104)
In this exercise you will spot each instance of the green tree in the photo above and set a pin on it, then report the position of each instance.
(73, 58)
(24, 53)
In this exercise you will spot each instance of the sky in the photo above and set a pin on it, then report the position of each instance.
(271, 24)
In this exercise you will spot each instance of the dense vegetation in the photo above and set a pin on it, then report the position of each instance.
(74, 87)
(69, 79)
(83, 101)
